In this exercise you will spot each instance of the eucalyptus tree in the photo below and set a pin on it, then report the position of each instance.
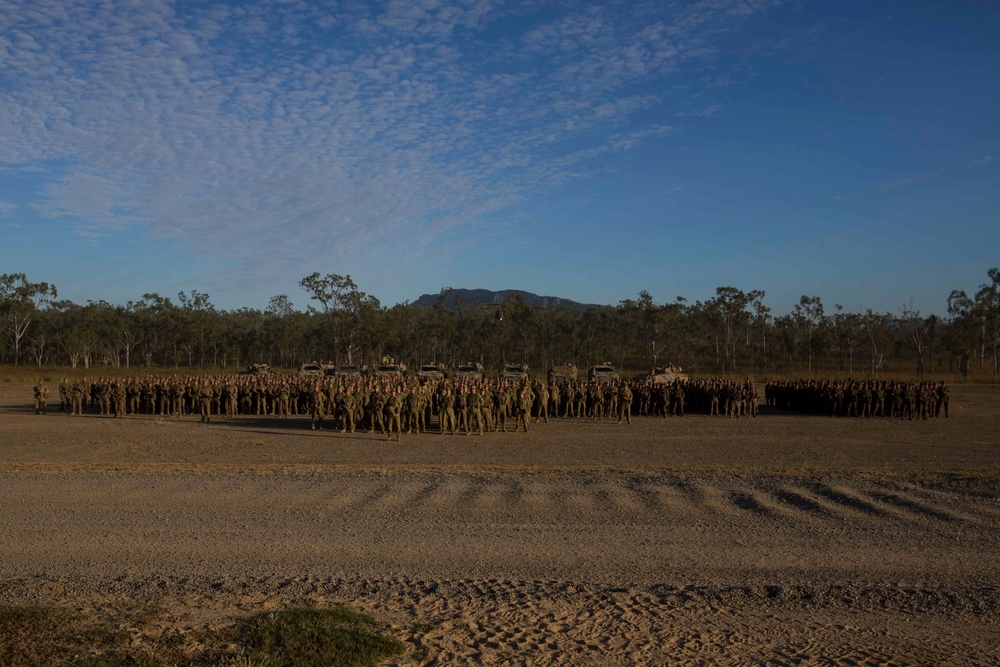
(847, 329)
(877, 330)
(918, 331)
(962, 329)
(987, 305)
(809, 314)
(731, 314)
(344, 306)
(199, 319)
(284, 331)
(20, 301)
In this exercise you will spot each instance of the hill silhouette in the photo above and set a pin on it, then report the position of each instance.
(476, 297)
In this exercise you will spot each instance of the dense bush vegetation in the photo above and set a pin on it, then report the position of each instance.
(734, 332)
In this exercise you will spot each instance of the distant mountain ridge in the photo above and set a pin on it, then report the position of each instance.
(475, 297)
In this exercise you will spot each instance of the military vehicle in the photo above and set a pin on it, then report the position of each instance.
(514, 372)
(347, 370)
(603, 373)
(310, 368)
(661, 375)
(469, 370)
(563, 373)
(256, 369)
(432, 372)
(389, 368)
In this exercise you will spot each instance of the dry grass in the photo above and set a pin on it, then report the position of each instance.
(32, 636)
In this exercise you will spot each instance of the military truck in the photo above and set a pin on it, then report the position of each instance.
(514, 372)
(256, 369)
(432, 372)
(389, 368)
(563, 373)
(603, 373)
(662, 375)
(310, 368)
(470, 370)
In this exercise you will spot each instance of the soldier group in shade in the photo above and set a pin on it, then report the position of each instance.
(860, 398)
(716, 397)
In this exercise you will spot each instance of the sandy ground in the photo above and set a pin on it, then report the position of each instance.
(782, 540)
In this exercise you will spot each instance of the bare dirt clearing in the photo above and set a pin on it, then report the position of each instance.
(671, 541)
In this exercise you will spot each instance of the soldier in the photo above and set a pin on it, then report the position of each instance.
(941, 397)
(317, 404)
(205, 394)
(350, 408)
(568, 400)
(41, 397)
(462, 409)
(76, 396)
(524, 400)
(554, 397)
(475, 410)
(119, 396)
(64, 395)
(393, 409)
(447, 417)
(543, 402)
(678, 398)
(411, 407)
(377, 404)
(624, 403)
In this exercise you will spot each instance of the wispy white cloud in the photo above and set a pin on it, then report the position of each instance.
(289, 134)
(707, 112)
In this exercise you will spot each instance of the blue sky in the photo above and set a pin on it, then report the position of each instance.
(582, 150)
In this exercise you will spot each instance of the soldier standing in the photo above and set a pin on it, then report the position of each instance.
(41, 397)
(205, 395)
(317, 403)
(64, 395)
(624, 403)
(524, 400)
(447, 415)
(394, 408)
(941, 396)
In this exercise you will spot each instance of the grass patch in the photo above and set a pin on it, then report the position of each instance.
(32, 636)
(320, 637)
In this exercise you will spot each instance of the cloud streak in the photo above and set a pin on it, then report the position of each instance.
(287, 134)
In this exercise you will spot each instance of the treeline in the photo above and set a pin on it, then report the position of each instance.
(733, 332)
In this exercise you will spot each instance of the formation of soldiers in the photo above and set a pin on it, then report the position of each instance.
(386, 404)
(394, 405)
(724, 398)
(860, 398)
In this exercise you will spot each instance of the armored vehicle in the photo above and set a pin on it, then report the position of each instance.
(469, 370)
(347, 370)
(603, 373)
(514, 372)
(256, 369)
(389, 368)
(563, 373)
(662, 375)
(432, 372)
(310, 368)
